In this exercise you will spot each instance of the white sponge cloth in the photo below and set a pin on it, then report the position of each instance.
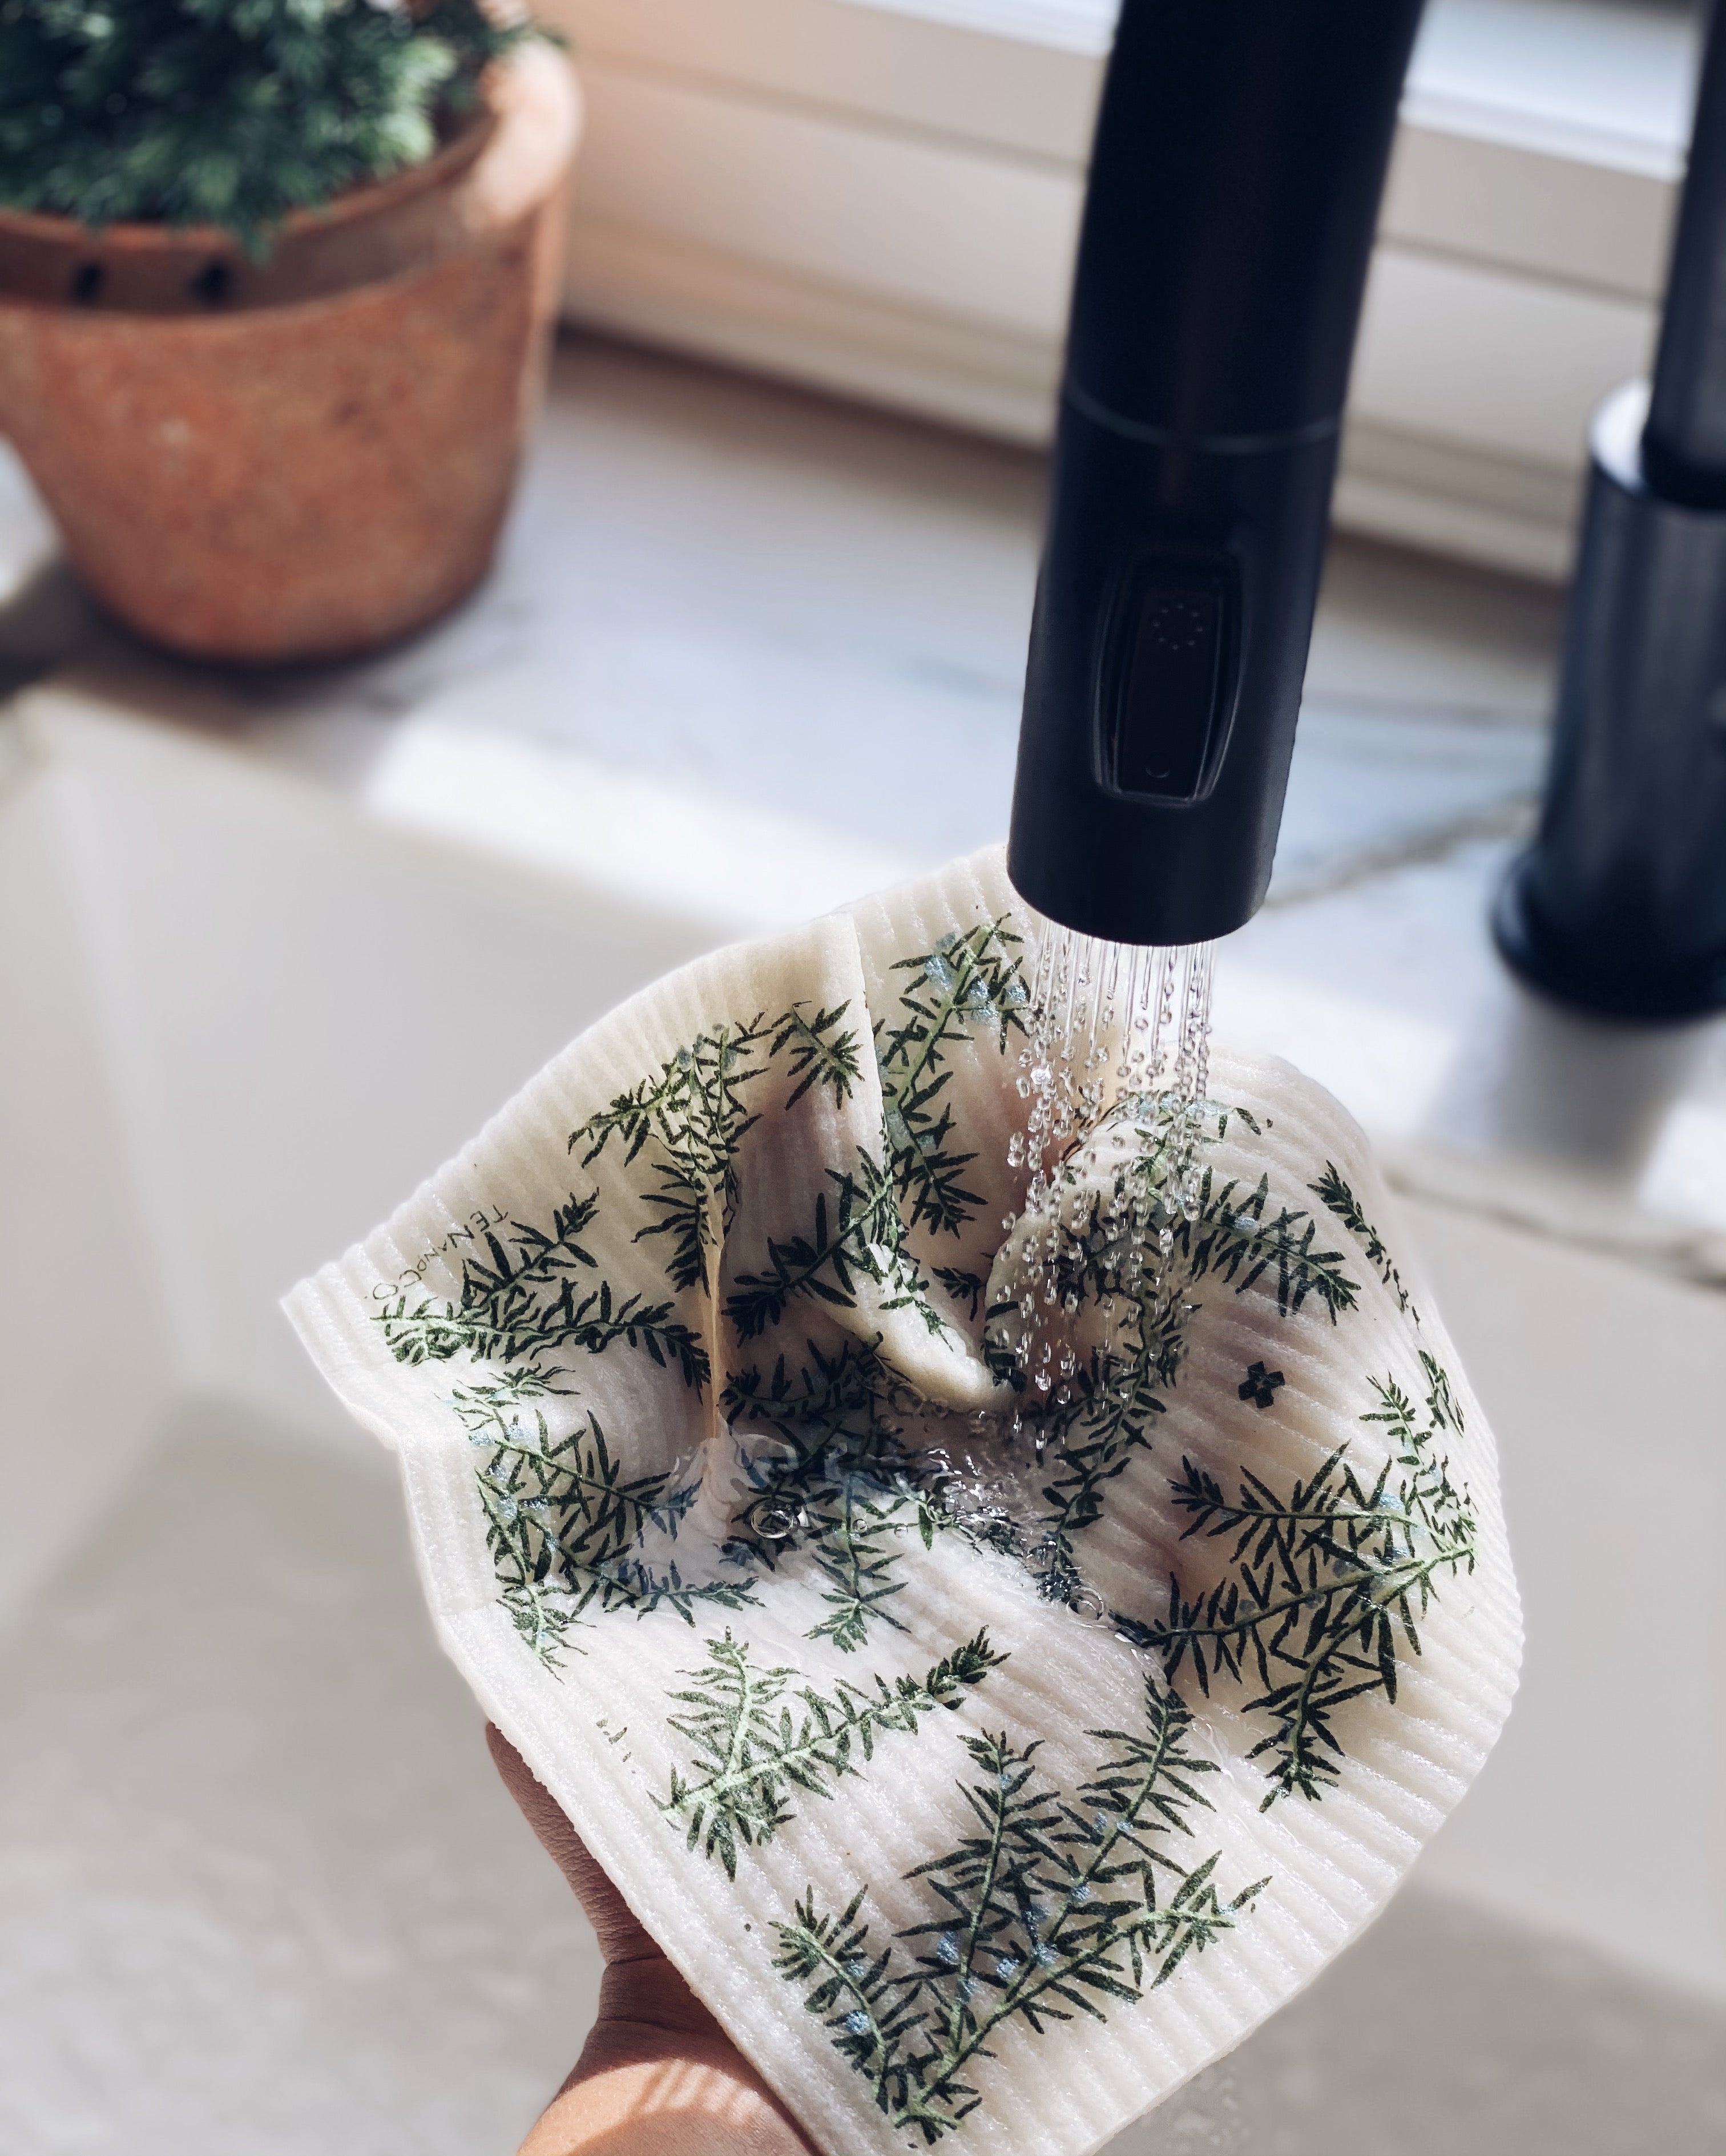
(986, 1818)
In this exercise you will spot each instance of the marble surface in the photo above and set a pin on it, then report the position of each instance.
(733, 624)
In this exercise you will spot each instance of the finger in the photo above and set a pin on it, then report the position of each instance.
(642, 1997)
(622, 1937)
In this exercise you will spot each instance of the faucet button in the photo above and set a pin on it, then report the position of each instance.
(1167, 677)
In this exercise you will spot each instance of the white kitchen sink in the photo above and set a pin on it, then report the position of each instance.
(260, 1894)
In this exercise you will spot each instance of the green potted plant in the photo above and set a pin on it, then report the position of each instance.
(277, 284)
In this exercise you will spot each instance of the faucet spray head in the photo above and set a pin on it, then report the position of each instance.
(1241, 153)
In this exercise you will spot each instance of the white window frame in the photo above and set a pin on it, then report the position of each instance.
(880, 197)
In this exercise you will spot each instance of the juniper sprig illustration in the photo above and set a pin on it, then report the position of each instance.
(856, 1552)
(758, 1734)
(832, 1402)
(692, 1117)
(1325, 1585)
(854, 1522)
(1335, 1195)
(1117, 1399)
(968, 985)
(527, 1303)
(565, 1524)
(967, 1289)
(1234, 1235)
(834, 1474)
(856, 1235)
(1211, 1228)
(1054, 1905)
(1220, 1228)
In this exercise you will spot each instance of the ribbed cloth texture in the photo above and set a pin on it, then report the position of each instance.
(596, 1710)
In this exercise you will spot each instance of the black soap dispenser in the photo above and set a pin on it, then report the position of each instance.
(1620, 905)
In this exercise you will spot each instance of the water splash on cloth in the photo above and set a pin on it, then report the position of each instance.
(1116, 1069)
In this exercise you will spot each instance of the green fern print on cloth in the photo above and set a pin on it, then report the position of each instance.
(988, 1766)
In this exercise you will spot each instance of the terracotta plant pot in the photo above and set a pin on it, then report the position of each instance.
(304, 459)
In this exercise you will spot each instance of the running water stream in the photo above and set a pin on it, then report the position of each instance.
(1116, 1067)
